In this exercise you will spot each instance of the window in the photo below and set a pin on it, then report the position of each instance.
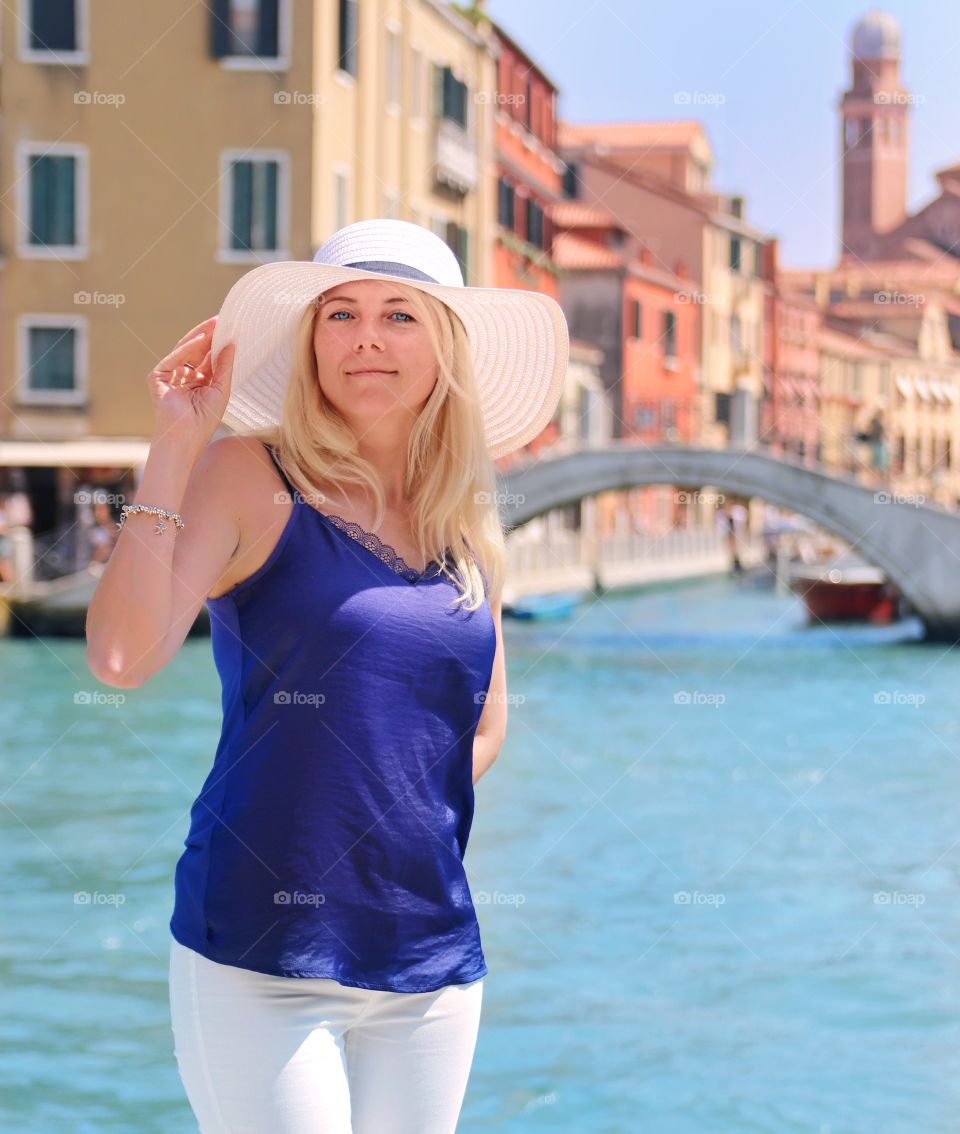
(534, 223)
(505, 203)
(450, 96)
(416, 85)
(246, 31)
(254, 211)
(721, 408)
(341, 198)
(53, 31)
(670, 334)
(636, 319)
(458, 239)
(52, 201)
(735, 254)
(347, 37)
(52, 363)
(393, 79)
(570, 181)
(528, 103)
(645, 416)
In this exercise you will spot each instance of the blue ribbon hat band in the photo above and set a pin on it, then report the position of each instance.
(388, 268)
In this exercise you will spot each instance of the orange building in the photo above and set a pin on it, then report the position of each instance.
(529, 181)
(790, 410)
(646, 320)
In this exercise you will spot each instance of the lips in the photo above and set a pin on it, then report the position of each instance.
(372, 371)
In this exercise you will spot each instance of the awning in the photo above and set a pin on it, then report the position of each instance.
(903, 385)
(950, 391)
(87, 452)
(937, 390)
(922, 389)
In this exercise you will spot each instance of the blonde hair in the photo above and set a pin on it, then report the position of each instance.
(450, 479)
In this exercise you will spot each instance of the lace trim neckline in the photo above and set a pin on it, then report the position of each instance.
(373, 543)
(383, 551)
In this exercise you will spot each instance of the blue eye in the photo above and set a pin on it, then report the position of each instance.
(405, 315)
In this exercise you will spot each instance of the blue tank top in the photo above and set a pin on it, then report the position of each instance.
(328, 838)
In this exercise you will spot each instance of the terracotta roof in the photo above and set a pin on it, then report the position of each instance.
(575, 214)
(630, 135)
(876, 274)
(570, 251)
(848, 342)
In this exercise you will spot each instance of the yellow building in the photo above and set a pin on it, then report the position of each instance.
(153, 153)
(887, 349)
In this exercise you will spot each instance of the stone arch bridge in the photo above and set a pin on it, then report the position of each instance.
(917, 545)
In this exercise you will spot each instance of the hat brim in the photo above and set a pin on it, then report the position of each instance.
(519, 343)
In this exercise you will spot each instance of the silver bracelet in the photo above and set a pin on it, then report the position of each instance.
(160, 513)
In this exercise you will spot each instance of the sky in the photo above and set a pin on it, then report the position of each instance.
(764, 77)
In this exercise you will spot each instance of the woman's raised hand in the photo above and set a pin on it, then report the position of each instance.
(189, 395)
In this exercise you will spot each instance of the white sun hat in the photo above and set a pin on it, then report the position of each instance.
(518, 339)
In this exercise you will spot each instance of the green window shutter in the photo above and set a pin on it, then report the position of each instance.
(463, 253)
(220, 35)
(268, 29)
(348, 37)
(241, 213)
(51, 358)
(53, 25)
(266, 202)
(53, 219)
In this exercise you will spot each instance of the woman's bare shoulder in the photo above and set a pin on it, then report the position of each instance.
(246, 472)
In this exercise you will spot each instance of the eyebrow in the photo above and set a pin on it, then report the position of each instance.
(347, 299)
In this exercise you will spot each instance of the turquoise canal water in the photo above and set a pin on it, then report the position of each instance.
(716, 869)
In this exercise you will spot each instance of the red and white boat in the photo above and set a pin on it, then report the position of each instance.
(845, 589)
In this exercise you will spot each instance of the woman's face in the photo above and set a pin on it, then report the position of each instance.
(374, 356)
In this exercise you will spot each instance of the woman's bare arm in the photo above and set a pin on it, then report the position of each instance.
(152, 579)
(492, 728)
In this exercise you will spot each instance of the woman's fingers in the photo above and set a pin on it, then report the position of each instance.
(206, 325)
(184, 352)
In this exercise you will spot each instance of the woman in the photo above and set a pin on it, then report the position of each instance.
(326, 970)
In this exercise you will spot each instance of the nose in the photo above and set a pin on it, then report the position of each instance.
(367, 333)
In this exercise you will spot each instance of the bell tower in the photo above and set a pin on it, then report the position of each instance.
(873, 139)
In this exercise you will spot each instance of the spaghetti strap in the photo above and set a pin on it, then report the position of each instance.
(276, 461)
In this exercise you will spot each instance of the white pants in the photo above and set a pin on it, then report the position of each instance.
(263, 1054)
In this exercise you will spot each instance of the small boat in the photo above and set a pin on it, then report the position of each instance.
(543, 607)
(58, 607)
(845, 589)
